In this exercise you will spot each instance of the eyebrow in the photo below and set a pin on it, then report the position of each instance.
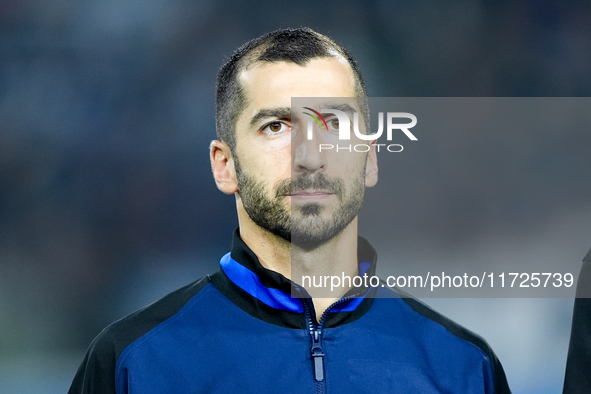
(340, 107)
(284, 112)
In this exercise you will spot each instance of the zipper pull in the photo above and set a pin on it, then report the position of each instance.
(317, 355)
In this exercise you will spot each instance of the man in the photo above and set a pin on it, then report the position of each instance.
(577, 378)
(248, 328)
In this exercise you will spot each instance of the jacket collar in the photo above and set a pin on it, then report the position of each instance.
(267, 294)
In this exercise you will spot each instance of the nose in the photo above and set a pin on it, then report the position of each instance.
(306, 154)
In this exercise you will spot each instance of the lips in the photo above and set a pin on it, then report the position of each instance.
(310, 186)
(311, 194)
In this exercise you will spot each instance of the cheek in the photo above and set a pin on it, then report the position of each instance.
(282, 142)
(271, 164)
(348, 164)
(277, 148)
(260, 153)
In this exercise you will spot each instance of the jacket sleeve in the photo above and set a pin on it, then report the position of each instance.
(501, 384)
(96, 374)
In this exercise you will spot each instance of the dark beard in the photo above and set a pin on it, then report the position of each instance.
(269, 214)
(309, 230)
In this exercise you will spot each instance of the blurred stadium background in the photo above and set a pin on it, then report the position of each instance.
(106, 197)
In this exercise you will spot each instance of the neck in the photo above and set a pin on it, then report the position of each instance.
(312, 268)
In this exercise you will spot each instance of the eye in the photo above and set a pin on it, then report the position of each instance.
(333, 125)
(275, 128)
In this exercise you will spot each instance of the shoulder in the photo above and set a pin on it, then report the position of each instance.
(97, 371)
(444, 335)
(123, 332)
(429, 314)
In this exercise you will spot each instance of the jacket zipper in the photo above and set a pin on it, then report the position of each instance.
(315, 331)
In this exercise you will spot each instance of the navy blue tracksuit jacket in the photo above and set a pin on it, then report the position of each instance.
(240, 331)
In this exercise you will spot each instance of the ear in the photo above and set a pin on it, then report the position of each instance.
(371, 166)
(222, 166)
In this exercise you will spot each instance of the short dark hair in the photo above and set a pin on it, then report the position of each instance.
(290, 45)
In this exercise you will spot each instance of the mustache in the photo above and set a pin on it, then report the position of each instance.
(305, 182)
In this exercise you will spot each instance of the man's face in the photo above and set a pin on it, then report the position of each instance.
(285, 184)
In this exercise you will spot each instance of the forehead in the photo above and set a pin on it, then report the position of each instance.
(271, 85)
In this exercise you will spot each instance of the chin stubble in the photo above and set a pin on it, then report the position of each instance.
(309, 229)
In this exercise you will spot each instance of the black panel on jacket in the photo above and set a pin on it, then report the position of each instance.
(96, 374)
(578, 365)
